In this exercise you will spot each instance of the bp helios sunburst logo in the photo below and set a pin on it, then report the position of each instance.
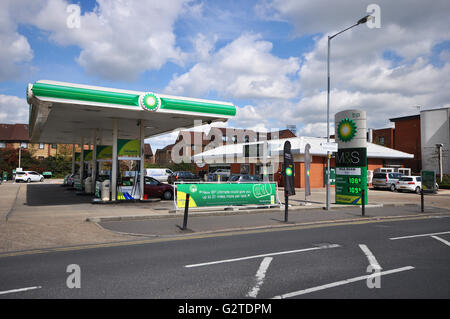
(149, 101)
(346, 130)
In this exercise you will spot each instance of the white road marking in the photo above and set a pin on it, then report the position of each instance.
(262, 256)
(421, 235)
(19, 290)
(260, 275)
(372, 260)
(339, 283)
(441, 240)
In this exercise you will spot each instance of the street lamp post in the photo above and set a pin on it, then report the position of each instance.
(360, 21)
(20, 153)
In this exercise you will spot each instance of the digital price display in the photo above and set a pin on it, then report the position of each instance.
(354, 190)
(351, 180)
(354, 180)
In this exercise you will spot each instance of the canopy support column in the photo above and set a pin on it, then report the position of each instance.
(73, 159)
(94, 159)
(82, 163)
(142, 172)
(114, 161)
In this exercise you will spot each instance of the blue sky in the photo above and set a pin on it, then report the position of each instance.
(268, 57)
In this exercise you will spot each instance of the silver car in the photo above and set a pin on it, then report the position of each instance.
(385, 180)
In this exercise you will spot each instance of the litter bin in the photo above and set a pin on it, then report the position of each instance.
(105, 190)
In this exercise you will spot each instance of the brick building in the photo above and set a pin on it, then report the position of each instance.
(383, 137)
(13, 136)
(233, 157)
(407, 139)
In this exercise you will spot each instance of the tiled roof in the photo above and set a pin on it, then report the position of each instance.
(148, 150)
(14, 132)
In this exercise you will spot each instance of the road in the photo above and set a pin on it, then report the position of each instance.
(411, 257)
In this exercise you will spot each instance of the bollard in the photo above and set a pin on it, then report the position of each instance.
(363, 202)
(186, 209)
(286, 206)
(422, 208)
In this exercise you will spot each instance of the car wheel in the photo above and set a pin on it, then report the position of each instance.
(29, 180)
(167, 195)
(42, 179)
(392, 188)
(417, 190)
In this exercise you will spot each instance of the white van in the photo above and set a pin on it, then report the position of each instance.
(159, 174)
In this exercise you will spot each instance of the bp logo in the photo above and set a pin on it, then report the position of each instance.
(149, 101)
(193, 188)
(346, 130)
(288, 171)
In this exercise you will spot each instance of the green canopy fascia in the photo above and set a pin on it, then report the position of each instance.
(169, 103)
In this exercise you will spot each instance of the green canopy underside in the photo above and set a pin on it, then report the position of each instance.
(129, 99)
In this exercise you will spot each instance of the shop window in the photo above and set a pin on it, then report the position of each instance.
(41, 146)
(24, 145)
(54, 146)
(2, 145)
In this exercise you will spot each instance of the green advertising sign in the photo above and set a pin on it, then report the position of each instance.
(214, 194)
(428, 180)
(128, 148)
(87, 155)
(104, 152)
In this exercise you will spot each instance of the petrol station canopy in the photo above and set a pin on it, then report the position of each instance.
(65, 112)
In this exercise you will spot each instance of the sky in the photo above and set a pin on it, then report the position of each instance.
(268, 57)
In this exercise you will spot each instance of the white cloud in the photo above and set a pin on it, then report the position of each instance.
(244, 68)
(13, 109)
(361, 76)
(15, 51)
(118, 39)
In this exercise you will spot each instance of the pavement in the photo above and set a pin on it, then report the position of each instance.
(44, 215)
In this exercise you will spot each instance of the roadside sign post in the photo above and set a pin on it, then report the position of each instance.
(186, 210)
(363, 205)
(422, 202)
(307, 171)
(288, 172)
(428, 181)
(286, 207)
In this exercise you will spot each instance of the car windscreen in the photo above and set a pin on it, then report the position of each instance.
(406, 179)
(379, 175)
(234, 178)
(20, 173)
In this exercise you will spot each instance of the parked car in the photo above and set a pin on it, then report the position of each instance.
(183, 176)
(386, 180)
(29, 176)
(154, 188)
(160, 174)
(244, 178)
(409, 183)
(223, 173)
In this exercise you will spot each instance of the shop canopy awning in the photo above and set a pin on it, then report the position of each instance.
(64, 112)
